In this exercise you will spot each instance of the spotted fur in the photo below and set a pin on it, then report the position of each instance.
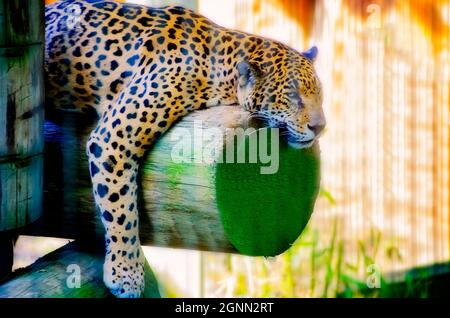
(141, 69)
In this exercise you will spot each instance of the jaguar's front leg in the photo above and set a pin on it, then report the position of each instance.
(113, 175)
(114, 149)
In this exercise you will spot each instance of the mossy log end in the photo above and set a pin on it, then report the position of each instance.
(69, 272)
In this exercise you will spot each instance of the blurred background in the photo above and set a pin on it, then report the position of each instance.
(381, 223)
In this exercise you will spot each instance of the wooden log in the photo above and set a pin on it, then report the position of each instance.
(21, 112)
(178, 208)
(180, 200)
(69, 272)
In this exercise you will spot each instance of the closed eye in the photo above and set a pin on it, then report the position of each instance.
(295, 98)
(293, 95)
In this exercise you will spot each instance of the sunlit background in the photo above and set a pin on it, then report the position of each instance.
(384, 204)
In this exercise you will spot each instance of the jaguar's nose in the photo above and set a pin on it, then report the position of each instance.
(317, 128)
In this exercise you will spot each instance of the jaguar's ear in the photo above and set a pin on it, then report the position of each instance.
(248, 73)
(311, 54)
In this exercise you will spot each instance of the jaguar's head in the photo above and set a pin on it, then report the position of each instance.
(283, 88)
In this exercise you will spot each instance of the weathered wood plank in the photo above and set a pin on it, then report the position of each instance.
(21, 112)
(55, 276)
(20, 192)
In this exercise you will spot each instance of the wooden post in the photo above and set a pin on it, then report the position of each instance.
(21, 113)
(6, 254)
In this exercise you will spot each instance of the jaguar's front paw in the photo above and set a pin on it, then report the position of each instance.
(123, 271)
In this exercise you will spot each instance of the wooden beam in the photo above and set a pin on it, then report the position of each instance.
(57, 274)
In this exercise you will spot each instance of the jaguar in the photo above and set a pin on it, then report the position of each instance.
(140, 69)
